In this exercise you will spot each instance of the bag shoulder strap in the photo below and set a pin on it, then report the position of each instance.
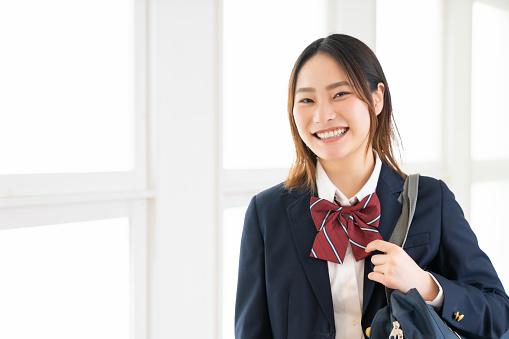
(409, 200)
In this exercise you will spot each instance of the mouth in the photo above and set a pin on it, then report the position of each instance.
(335, 133)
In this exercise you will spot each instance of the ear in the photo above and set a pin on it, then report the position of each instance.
(378, 98)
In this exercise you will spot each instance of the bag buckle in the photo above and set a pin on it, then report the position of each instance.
(397, 332)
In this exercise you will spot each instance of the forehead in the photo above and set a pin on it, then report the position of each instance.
(321, 69)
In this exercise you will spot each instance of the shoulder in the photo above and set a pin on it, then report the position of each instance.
(429, 188)
(430, 183)
(272, 193)
(435, 193)
(276, 195)
(273, 202)
(433, 185)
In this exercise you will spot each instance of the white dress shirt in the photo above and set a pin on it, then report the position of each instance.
(347, 279)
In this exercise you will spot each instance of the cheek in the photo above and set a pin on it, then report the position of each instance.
(361, 116)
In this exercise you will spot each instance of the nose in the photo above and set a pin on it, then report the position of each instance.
(324, 112)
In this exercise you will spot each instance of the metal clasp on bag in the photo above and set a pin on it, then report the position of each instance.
(397, 332)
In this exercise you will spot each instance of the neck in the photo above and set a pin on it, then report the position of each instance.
(350, 175)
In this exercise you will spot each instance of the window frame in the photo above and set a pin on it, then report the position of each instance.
(45, 211)
(22, 185)
(33, 200)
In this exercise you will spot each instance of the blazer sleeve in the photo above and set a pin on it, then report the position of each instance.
(470, 283)
(251, 309)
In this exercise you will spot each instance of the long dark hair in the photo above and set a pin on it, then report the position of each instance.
(364, 73)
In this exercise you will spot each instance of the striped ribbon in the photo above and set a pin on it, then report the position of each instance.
(339, 225)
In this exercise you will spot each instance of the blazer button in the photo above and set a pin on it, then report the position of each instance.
(458, 316)
(368, 331)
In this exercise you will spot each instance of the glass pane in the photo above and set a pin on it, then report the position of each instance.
(67, 86)
(65, 281)
(262, 40)
(409, 46)
(485, 224)
(233, 220)
(490, 71)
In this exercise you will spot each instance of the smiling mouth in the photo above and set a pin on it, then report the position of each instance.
(331, 134)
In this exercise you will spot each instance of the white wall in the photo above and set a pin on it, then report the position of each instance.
(183, 238)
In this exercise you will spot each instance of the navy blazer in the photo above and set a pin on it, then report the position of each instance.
(284, 293)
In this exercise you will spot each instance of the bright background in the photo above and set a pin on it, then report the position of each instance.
(130, 129)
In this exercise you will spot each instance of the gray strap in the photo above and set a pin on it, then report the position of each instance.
(409, 199)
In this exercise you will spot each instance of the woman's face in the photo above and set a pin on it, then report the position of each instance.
(331, 119)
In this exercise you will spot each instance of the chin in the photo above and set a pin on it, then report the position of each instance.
(331, 157)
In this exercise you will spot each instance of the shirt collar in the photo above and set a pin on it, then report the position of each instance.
(327, 190)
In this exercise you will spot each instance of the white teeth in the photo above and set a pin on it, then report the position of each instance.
(330, 134)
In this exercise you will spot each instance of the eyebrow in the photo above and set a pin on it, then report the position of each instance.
(329, 87)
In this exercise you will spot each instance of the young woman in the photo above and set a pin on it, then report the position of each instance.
(302, 278)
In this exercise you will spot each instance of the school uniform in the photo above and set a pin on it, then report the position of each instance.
(285, 293)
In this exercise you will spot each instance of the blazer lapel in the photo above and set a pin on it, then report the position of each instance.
(389, 187)
(304, 232)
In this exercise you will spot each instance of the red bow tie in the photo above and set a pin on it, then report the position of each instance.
(337, 226)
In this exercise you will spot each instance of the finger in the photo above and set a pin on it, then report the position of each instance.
(377, 276)
(380, 245)
(379, 259)
(382, 279)
(379, 269)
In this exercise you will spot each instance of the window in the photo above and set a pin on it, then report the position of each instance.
(257, 60)
(490, 149)
(73, 179)
(490, 25)
(72, 110)
(61, 277)
(412, 62)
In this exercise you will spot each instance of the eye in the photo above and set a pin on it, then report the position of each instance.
(306, 101)
(340, 94)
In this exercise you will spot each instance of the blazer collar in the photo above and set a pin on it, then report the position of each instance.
(304, 233)
(389, 187)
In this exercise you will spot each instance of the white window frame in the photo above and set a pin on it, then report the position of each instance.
(21, 185)
(461, 172)
(48, 211)
(32, 200)
(183, 99)
(488, 170)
